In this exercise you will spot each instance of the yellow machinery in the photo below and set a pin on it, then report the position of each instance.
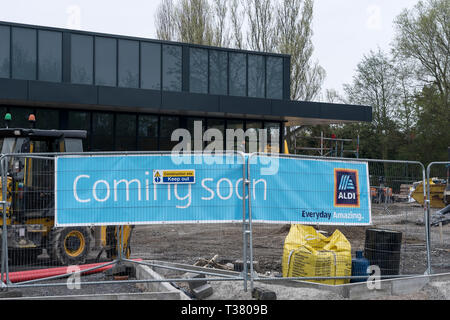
(437, 189)
(30, 202)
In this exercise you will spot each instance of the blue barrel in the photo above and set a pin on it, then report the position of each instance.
(359, 267)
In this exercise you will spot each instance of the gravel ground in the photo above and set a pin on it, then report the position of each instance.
(189, 243)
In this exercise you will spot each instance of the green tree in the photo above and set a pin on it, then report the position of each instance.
(376, 84)
(423, 35)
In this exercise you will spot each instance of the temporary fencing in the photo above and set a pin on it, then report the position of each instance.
(258, 216)
(336, 196)
(438, 205)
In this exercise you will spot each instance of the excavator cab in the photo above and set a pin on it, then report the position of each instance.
(30, 201)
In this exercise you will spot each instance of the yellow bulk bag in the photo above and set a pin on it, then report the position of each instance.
(308, 253)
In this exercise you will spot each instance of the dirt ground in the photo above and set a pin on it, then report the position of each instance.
(191, 242)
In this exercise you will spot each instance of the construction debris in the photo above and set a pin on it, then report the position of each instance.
(441, 217)
(214, 263)
(263, 294)
(200, 289)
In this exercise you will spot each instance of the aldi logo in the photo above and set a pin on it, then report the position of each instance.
(346, 188)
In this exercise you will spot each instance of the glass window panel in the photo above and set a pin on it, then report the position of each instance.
(102, 132)
(172, 68)
(148, 133)
(24, 53)
(105, 61)
(3, 111)
(50, 56)
(273, 134)
(235, 125)
(150, 66)
(198, 70)
(252, 130)
(125, 132)
(218, 68)
(238, 74)
(47, 119)
(168, 125)
(20, 117)
(274, 78)
(82, 59)
(4, 51)
(79, 120)
(216, 124)
(256, 76)
(128, 64)
(197, 141)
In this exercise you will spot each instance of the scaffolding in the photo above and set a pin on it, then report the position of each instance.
(330, 147)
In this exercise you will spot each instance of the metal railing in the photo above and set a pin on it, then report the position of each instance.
(258, 245)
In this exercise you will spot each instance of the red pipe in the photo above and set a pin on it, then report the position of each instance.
(20, 276)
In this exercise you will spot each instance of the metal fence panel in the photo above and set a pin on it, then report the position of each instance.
(44, 254)
(395, 240)
(438, 194)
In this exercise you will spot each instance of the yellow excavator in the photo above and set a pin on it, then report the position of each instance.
(30, 202)
(439, 190)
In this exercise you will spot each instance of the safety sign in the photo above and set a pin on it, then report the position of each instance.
(173, 176)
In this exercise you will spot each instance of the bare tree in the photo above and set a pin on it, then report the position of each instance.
(221, 37)
(193, 21)
(165, 20)
(294, 33)
(262, 29)
(237, 21)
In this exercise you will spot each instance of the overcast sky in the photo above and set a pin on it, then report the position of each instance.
(344, 30)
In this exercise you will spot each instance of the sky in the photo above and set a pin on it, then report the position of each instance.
(344, 30)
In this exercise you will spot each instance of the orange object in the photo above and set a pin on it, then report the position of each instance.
(21, 276)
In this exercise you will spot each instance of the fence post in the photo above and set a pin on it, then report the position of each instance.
(4, 263)
(426, 191)
(244, 224)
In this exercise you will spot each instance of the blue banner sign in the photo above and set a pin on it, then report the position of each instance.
(310, 191)
(148, 189)
(152, 189)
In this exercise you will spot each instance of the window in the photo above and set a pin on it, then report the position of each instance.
(128, 64)
(4, 51)
(252, 139)
(24, 53)
(150, 66)
(148, 133)
(50, 56)
(196, 140)
(274, 78)
(82, 59)
(198, 70)
(125, 132)
(218, 124)
(80, 120)
(232, 138)
(238, 74)
(105, 61)
(20, 117)
(168, 125)
(47, 119)
(171, 68)
(273, 135)
(256, 76)
(218, 69)
(102, 132)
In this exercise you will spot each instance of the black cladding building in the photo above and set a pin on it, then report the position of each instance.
(131, 93)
